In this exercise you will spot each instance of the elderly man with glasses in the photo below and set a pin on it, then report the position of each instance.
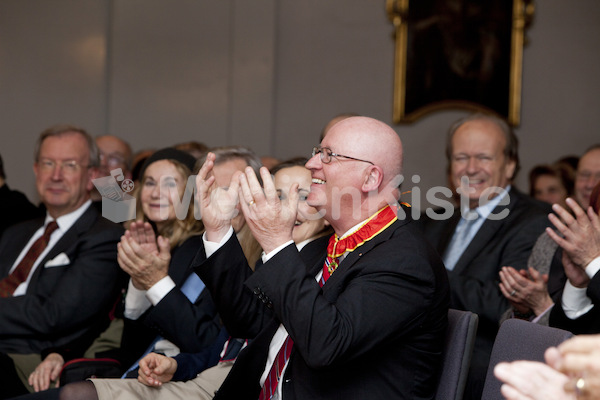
(59, 275)
(367, 321)
(114, 153)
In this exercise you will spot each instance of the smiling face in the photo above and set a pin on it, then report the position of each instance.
(478, 153)
(337, 184)
(63, 176)
(162, 183)
(308, 223)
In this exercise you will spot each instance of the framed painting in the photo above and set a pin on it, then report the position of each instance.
(464, 54)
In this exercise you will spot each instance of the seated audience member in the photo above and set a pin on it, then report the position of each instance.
(375, 331)
(59, 275)
(14, 205)
(534, 295)
(533, 292)
(580, 241)
(551, 183)
(496, 225)
(588, 175)
(572, 372)
(115, 153)
(193, 324)
(228, 160)
(310, 233)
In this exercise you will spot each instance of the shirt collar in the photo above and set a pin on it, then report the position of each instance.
(65, 222)
(485, 210)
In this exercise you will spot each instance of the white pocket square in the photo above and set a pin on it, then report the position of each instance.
(61, 259)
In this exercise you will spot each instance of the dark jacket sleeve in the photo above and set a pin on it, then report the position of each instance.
(190, 326)
(224, 274)
(191, 364)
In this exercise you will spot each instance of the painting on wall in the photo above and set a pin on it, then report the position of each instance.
(458, 54)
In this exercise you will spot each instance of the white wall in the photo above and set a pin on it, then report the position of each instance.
(264, 73)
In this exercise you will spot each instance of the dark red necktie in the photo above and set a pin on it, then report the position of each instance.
(9, 284)
(335, 249)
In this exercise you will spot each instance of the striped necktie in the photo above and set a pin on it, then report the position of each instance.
(19, 275)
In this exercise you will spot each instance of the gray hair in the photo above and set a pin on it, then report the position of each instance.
(58, 130)
(228, 153)
(511, 150)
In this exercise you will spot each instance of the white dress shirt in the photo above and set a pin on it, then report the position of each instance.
(64, 223)
(575, 302)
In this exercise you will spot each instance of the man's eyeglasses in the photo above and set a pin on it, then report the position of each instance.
(326, 155)
(112, 160)
(68, 167)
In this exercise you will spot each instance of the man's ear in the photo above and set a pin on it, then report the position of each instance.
(373, 179)
(93, 173)
(510, 168)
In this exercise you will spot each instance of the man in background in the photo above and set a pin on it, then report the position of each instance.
(59, 276)
(495, 226)
(114, 153)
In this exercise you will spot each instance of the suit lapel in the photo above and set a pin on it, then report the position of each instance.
(354, 256)
(448, 232)
(80, 226)
(314, 254)
(16, 242)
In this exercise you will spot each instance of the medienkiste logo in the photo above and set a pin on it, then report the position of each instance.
(117, 205)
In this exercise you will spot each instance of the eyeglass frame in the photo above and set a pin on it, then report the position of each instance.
(112, 159)
(47, 164)
(329, 153)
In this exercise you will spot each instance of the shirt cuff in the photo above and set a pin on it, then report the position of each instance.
(593, 267)
(159, 290)
(267, 257)
(575, 302)
(211, 247)
(135, 302)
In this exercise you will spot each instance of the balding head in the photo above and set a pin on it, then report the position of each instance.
(372, 140)
(114, 153)
(359, 178)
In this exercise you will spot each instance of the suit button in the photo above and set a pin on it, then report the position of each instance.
(257, 291)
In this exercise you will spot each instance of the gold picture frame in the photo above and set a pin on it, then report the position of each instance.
(463, 54)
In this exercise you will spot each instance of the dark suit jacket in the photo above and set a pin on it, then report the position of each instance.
(189, 365)
(589, 323)
(15, 207)
(506, 242)
(374, 331)
(67, 302)
(191, 327)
